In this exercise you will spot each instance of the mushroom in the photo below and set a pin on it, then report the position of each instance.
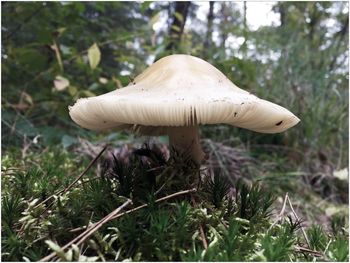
(175, 95)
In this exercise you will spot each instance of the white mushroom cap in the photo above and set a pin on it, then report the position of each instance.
(180, 90)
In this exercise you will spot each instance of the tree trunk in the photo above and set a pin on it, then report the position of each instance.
(282, 11)
(245, 30)
(224, 24)
(208, 39)
(178, 24)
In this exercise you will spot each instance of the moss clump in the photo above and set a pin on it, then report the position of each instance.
(221, 221)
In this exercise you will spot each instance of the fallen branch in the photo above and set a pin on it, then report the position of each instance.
(93, 228)
(302, 228)
(113, 215)
(143, 206)
(280, 215)
(157, 201)
(61, 192)
(306, 250)
(204, 240)
(201, 230)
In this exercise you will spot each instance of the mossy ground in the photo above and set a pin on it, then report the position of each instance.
(226, 219)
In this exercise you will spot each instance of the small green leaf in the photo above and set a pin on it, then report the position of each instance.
(94, 56)
(88, 93)
(61, 30)
(55, 47)
(176, 28)
(179, 17)
(72, 90)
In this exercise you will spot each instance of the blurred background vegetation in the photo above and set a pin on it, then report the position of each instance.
(299, 62)
(55, 52)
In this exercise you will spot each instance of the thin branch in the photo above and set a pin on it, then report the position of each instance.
(55, 48)
(99, 224)
(157, 201)
(83, 52)
(93, 228)
(115, 214)
(86, 170)
(306, 250)
(280, 215)
(201, 230)
(142, 206)
(302, 228)
(325, 250)
(204, 240)
(284, 205)
(61, 192)
(76, 180)
(107, 42)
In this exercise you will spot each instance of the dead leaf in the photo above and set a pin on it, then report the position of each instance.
(61, 83)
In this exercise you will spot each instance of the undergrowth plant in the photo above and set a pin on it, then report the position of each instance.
(182, 213)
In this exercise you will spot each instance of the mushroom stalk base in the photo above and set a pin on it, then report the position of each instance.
(185, 140)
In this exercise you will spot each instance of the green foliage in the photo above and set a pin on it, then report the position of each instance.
(306, 75)
(45, 42)
(56, 52)
(236, 220)
(317, 238)
(253, 203)
(278, 247)
(218, 187)
(339, 249)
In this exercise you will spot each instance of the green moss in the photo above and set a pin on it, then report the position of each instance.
(236, 219)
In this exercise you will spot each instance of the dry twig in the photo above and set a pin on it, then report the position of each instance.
(61, 192)
(201, 230)
(281, 214)
(113, 215)
(93, 228)
(306, 250)
(302, 228)
(157, 201)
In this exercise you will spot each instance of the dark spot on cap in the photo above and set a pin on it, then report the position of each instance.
(279, 123)
(242, 103)
(235, 114)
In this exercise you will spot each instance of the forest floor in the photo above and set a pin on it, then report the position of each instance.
(236, 207)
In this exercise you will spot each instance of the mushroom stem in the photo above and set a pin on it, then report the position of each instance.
(185, 140)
